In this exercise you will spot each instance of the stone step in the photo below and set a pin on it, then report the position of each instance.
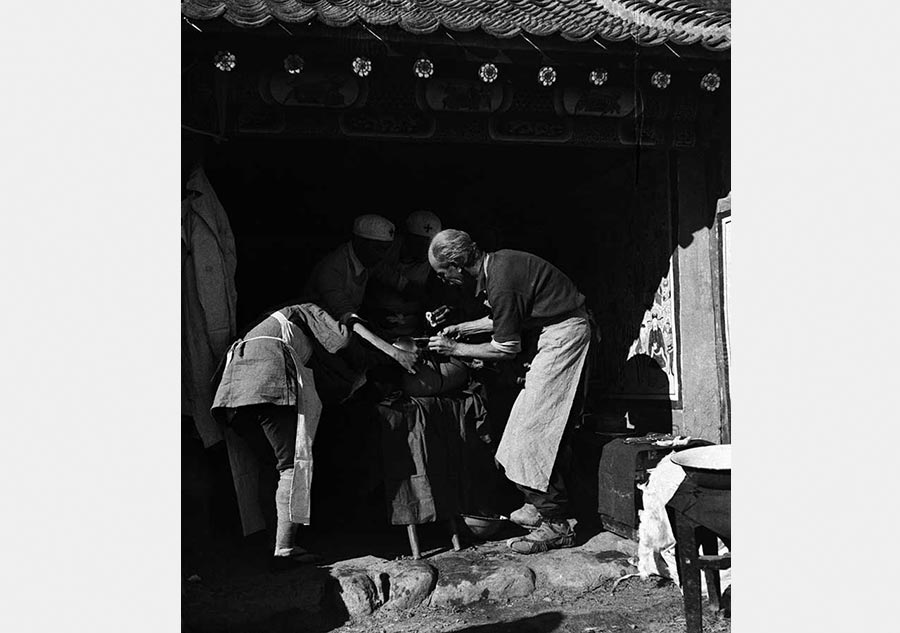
(465, 578)
(354, 589)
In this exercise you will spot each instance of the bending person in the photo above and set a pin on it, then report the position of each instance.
(267, 385)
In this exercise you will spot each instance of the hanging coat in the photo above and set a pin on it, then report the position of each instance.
(208, 300)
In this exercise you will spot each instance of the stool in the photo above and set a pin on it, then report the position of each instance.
(689, 539)
(414, 538)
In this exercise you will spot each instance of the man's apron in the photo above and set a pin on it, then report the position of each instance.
(530, 442)
(309, 411)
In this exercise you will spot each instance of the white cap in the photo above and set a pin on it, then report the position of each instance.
(423, 223)
(374, 227)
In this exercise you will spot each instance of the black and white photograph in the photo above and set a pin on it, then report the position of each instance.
(454, 331)
(466, 339)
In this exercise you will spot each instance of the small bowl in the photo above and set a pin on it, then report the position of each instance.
(483, 527)
(405, 343)
(707, 466)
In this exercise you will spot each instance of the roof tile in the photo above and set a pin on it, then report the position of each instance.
(650, 22)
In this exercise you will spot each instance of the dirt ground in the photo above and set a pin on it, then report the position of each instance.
(645, 606)
(636, 605)
(227, 586)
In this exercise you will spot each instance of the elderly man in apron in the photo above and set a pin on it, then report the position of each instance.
(266, 383)
(525, 294)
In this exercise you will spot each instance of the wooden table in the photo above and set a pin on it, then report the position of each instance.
(699, 518)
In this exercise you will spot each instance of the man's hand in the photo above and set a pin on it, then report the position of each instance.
(442, 345)
(439, 316)
(451, 331)
(468, 328)
(407, 360)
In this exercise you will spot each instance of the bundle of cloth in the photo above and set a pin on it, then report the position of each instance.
(438, 457)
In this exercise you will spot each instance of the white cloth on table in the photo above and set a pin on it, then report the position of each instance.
(656, 540)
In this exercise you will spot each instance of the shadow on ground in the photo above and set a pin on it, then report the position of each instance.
(299, 601)
(541, 623)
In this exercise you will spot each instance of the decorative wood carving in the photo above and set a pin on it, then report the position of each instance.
(395, 125)
(333, 90)
(535, 128)
(597, 102)
(460, 95)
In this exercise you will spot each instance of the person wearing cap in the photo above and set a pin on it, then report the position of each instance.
(421, 227)
(396, 295)
(526, 295)
(338, 281)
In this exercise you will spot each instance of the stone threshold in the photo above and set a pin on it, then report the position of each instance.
(484, 572)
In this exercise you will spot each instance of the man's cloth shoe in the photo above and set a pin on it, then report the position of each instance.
(527, 516)
(549, 535)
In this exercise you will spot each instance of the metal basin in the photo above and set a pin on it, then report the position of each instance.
(707, 466)
(483, 527)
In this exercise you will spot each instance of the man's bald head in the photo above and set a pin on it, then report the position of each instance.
(453, 247)
(450, 253)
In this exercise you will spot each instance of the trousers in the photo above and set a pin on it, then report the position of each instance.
(279, 427)
(553, 505)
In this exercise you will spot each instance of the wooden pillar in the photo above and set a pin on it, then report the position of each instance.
(701, 415)
(719, 280)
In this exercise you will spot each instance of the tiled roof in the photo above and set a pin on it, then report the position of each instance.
(650, 22)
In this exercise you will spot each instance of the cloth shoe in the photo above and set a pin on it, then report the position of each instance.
(527, 516)
(549, 535)
(293, 558)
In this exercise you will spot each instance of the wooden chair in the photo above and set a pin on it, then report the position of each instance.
(414, 538)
